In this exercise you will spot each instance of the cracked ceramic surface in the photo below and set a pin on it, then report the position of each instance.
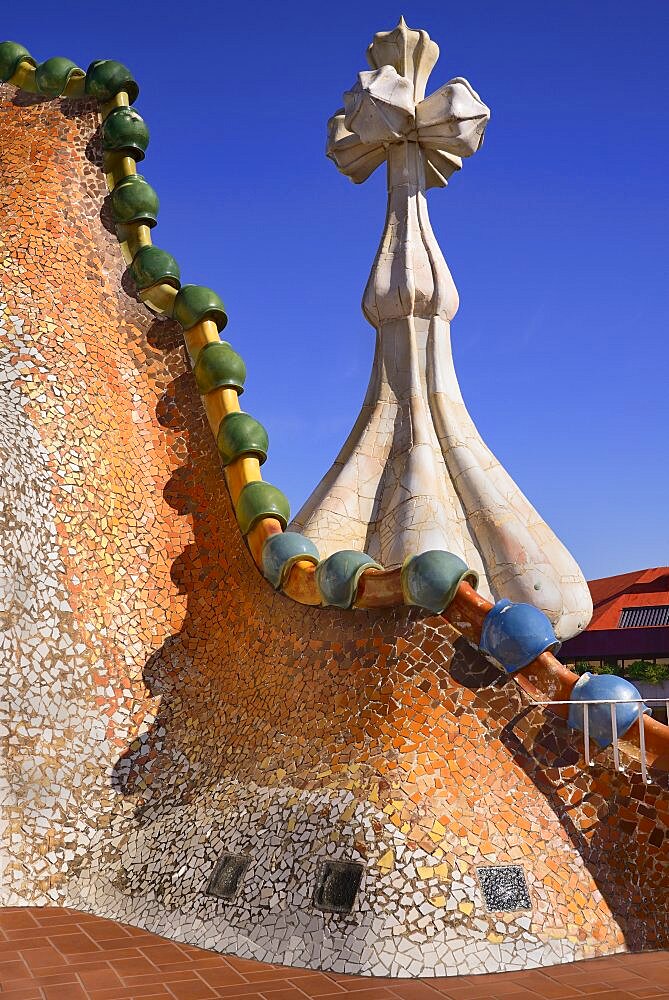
(162, 704)
(414, 473)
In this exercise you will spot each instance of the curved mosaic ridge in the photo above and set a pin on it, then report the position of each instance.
(519, 637)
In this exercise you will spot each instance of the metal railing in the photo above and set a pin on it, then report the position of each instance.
(641, 703)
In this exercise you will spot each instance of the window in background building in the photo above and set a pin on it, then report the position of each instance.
(644, 617)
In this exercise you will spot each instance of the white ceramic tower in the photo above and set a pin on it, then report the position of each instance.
(414, 473)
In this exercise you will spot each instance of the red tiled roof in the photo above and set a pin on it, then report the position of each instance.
(642, 588)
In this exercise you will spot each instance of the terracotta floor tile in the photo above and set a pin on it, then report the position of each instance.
(134, 965)
(55, 912)
(95, 959)
(159, 992)
(25, 993)
(164, 954)
(295, 972)
(371, 993)
(166, 978)
(644, 960)
(290, 993)
(10, 949)
(148, 994)
(512, 992)
(74, 992)
(592, 989)
(220, 976)
(210, 959)
(57, 979)
(180, 963)
(519, 995)
(34, 933)
(13, 919)
(92, 979)
(551, 990)
(255, 989)
(265, 973)
(447, 982)
(193, 989)
(351, 981)
(627, 985)
(70, 956)
(316, 985)
(42, 958)
(240, 964)
(412, 989)
(125, 993)
(604, 993)
(106, 931)
(135, 942)
(189, 949)
(498, 982)
(14, 969)
(464, 993)
(75, 944)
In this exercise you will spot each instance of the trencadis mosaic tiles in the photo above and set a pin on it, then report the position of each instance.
(153, 728)
(519, 636)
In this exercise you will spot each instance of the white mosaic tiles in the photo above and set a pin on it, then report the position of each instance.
(162, 704)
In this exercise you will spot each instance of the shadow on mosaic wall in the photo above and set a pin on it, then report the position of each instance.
(594, 809)
(289, 738)
(166, 771)
(599, 812)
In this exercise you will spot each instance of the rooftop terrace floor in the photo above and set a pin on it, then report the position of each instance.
(57, 954)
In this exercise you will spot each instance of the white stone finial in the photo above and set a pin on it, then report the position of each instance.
(411, 53)
(387, 106)
(380, 107)
(414, 473)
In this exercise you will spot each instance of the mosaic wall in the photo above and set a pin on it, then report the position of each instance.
(163, 707)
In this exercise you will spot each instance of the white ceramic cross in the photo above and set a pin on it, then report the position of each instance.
(387, 108)
(414, 473)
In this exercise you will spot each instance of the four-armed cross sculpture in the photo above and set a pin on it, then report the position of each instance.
(414, 473)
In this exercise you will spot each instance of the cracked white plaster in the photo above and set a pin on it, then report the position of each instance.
(414, 473)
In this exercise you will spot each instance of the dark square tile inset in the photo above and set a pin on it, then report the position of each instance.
(338, 885)
(504, 888)
(227, 876)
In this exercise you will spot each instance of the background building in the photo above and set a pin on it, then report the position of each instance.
(629, 632)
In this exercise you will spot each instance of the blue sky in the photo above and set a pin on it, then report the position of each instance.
(555, 232)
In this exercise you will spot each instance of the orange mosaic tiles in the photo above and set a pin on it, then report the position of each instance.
(166, 705)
